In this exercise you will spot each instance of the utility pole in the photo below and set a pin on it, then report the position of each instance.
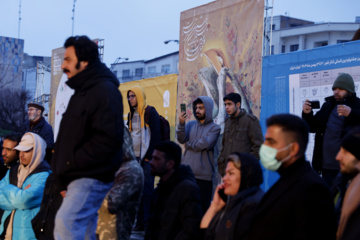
(73, 18)
(19, 19)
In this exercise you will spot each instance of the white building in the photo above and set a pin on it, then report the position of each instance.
(285, 34)
(37, 78)
(127, 71)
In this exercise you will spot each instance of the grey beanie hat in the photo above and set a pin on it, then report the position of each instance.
(344, 81)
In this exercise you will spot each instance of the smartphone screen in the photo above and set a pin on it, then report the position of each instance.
(183, 107)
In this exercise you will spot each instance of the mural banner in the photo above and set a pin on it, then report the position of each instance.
(220, 52)
(161, 93)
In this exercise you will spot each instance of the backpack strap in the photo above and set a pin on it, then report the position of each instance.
(147, 114)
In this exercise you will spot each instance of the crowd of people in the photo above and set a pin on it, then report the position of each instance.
(97, 180)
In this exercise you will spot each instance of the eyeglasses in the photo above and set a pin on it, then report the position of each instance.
(131, 96)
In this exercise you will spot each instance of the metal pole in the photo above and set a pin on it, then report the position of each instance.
(73, 18)
(19, 19)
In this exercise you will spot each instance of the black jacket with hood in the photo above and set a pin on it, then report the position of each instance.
(89, 143)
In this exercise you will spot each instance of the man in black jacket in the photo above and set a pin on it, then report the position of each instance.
(175, 211)
(88, 149)
(299, 204)
(339, 114)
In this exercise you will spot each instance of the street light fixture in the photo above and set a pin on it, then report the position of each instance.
(167, 41)
(117, 61)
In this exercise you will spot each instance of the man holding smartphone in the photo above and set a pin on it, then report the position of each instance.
(199, 138)
(339, 114)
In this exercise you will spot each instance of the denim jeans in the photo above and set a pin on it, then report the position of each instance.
(77, 216)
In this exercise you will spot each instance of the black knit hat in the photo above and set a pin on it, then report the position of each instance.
(351, 143)
(344, 81)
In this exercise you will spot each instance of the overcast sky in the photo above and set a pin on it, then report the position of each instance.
(135, 29)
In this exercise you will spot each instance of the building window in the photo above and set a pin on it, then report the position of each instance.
(294, 48)
(152, 69)
(320, 44)
(165, 68)
(342, 41)
(273, 27)
(138, 72)
(126, 74)
(283, 49)
(272, 50)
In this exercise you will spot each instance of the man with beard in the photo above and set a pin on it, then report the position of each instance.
(349, 160)
(175, 211)
(199, 138)
(37, 124)
(339, 114)
(242, 131)
(9, 154)
(88, 148)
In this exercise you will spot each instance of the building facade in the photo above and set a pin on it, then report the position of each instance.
(11, 56)
(127, 71)
(285, 34)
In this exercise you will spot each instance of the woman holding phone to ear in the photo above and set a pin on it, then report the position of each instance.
(235, 200)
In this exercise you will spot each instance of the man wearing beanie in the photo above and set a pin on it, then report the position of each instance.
(349, 160)
(339, 114)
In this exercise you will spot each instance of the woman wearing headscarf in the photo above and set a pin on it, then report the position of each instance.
(235, 200)
(22, 188)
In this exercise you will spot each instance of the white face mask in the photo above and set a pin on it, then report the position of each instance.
(268, 157)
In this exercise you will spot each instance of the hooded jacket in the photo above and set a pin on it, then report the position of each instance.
(150, 133)
(175, 211)
(200, 139)
(89, 143)
(21, 192)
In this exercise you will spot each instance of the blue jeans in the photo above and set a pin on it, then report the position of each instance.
(77, 216)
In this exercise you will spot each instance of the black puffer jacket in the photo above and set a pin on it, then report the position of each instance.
(89, 143)
(175, 211)
(317, 124)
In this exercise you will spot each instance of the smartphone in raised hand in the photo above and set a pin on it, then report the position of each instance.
(315, 104)
(183, 107)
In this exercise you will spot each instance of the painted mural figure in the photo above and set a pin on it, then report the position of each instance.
(199, 138)
(214, 79)
(242, 131)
